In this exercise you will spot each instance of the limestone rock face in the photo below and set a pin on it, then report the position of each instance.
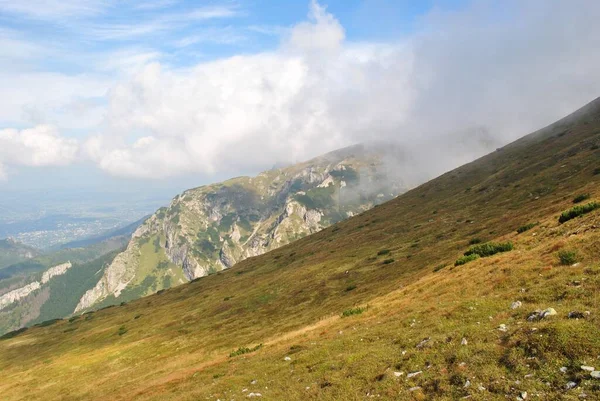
(210, 228)
(24, 291)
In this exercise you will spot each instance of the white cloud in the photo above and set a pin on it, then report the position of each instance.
(465, 82)
(462, 83)
(247, 112)
(38, 146)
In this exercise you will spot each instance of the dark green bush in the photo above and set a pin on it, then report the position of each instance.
(350, 288)
(581, 198)
(567, 258)
(388, 261)
(122, 330)
(475, 241)
(244, 350)
(526, 227)
(466, 259)
(383, 252)
(353, 311)
(577, 211)
(597, 171)
(489, 249)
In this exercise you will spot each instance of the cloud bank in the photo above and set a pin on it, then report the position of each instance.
(469, 72)
(37, 147)
(463, 83)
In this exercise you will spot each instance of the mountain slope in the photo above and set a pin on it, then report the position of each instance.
(12, 252)
(208, 229)
(30, 290)
(416, 326)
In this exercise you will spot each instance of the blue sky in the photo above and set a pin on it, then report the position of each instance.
(117, 93)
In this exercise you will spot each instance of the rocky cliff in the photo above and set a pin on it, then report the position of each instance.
(210, 228)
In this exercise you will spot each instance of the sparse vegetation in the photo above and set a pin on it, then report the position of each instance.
(122, 330)
(567, 257)
(439, 267)
(475, 241)
(353, 311)
(577, 211)
(350, 288)
(466, 259)
(383, 252)
(387, 261)
(526, 227)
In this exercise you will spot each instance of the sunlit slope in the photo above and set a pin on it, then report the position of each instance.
(397, 261)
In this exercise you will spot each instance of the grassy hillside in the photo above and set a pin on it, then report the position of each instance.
(373, 307)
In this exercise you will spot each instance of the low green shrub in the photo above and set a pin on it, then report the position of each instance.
(526, 227)
(388, 261)
(439, 267)
(122, 330)
(353, 311)
(244, 350)
(475, 241)
(577, 211)
(383, 252)
(567, 257)
(350, 288)
(466, 259)
(581, 197)
(489, 249)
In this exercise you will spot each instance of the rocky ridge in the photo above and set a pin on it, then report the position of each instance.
(211, 228)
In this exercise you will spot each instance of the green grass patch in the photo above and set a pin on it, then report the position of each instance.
(577, 211)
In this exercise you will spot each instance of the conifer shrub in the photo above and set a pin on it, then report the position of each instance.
(567, 257)
(353, 311)
(581, 197)
(489, 249)
(577, 211)
(466, 259)
(244, 350)
(526, 227)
